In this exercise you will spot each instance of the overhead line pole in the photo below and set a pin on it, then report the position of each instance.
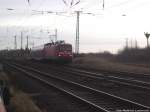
(56, 35)
(136, 44)
(15, 42)
(131, 43)
(103, 4)
(126, 43)
(27, 42)
(21, 40)
(77, 33)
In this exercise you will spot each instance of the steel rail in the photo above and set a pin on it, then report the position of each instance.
(125, 81)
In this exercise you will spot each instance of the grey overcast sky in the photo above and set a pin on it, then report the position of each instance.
(107, 30)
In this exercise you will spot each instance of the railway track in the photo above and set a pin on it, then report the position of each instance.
(124, 78)
(133, 91)
(130, 81)
(145, 77)
(100, 100)
(115, 79)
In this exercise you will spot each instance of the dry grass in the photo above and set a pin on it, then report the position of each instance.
(4, 77)
(23, 103)
(104, 64)
(20, 102)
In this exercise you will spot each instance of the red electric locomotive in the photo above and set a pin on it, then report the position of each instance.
(58, 51)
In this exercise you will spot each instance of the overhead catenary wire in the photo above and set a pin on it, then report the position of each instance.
(65, 2)
(28, 2)
(119, 4)
(60, 13)
(72, 1)
(77, 2)
(30, 15)
(25, 17)
(71, 4)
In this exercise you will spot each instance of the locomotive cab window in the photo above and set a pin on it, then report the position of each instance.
(65, 48)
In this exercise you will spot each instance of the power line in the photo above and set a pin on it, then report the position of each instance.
(120, 4)
(54, 35)
(77, 40)
(27, 17)
(71, 4)
(65, 2)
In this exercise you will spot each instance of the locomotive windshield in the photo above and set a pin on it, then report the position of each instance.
(65, 48)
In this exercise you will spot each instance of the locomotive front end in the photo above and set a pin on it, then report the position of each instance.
(65, 52)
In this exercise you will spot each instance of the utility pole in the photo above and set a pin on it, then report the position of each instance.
(103, 4)
(27, 42)
(21, 40)
(136, 44)
(126, 43)
(55, 34)
(77, 33)
(15, 42)
(131, 44)
(53, 37)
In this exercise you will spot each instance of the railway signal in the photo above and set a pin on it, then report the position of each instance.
(147, 37)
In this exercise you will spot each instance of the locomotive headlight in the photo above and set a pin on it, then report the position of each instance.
(60, 54)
